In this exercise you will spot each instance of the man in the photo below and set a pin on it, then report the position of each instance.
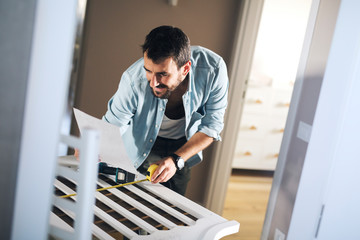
(170, 106)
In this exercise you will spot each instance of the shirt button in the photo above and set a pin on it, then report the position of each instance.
(150, 140)
(156, 126)
(161, 109)
(144, 154)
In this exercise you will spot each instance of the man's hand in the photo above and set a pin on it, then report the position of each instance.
(76, 154)
(165, 171)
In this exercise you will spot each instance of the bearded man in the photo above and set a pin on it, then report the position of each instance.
(170, 105)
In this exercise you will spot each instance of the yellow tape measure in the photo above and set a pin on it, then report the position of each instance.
(149, 173)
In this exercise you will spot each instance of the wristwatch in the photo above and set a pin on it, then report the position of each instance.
(179, 161)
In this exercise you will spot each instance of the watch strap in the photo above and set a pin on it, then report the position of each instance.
(175, 158)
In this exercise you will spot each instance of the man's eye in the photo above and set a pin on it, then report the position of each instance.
(163, 74)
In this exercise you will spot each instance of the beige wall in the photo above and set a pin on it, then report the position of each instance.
(114, 31)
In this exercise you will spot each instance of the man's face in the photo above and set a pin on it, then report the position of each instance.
(164, 77)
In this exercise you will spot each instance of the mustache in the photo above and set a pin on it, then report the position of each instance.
(161, 86)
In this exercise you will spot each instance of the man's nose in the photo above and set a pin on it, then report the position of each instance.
(153, 81)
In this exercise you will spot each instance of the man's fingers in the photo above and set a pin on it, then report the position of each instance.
(76, 154)
(156, 177)
(163, 177)
(163, 173)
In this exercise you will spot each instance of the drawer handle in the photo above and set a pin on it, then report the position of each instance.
(283, 104)
(247, 153)
(278, 130)
(255, 101)
(252, 127)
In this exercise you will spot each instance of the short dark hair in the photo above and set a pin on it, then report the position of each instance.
(167, 41)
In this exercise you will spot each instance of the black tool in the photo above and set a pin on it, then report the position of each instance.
(121, 176)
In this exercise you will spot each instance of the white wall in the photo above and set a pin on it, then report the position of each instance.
(300, 119)
(279, 42)
(330, 177)
(17, 21)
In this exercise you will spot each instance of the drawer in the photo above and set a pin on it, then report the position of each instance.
(280, 102)
(258, 152)
(253, 125)
(254, 163)
(268, 165)
(275, 125)
(249, 147)
(272, 146)
(259, 125)
(257, 100)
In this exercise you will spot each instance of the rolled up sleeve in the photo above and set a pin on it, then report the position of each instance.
(122, 106)
(213, 121)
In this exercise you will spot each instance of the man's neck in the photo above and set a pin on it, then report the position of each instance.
(177, 94)
(175, 107)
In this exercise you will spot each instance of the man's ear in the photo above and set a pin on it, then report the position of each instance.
(186, 68)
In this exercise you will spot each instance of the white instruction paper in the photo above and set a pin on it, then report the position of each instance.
(112, 149)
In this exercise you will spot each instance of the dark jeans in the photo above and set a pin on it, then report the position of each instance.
(162, 148)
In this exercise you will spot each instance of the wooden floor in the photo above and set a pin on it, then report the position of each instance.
(246, 202)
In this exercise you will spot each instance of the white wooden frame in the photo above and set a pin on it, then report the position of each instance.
(81, 210)
(46, 91)
(327, 201)
(206, 226)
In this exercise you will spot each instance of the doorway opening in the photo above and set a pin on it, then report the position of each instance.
(266, 98)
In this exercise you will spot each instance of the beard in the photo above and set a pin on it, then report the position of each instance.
(164, 95)
(167, 93)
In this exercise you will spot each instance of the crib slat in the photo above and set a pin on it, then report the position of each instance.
(127, 214)
(96, 230)
(139, 206)
(161, 205)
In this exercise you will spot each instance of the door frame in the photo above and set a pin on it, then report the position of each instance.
(243, 51)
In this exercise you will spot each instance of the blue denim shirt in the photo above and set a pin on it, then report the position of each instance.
(139, 113)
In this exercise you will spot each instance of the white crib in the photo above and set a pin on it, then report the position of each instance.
(140, 211)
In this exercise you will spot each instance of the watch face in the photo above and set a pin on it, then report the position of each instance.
(180, 163)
